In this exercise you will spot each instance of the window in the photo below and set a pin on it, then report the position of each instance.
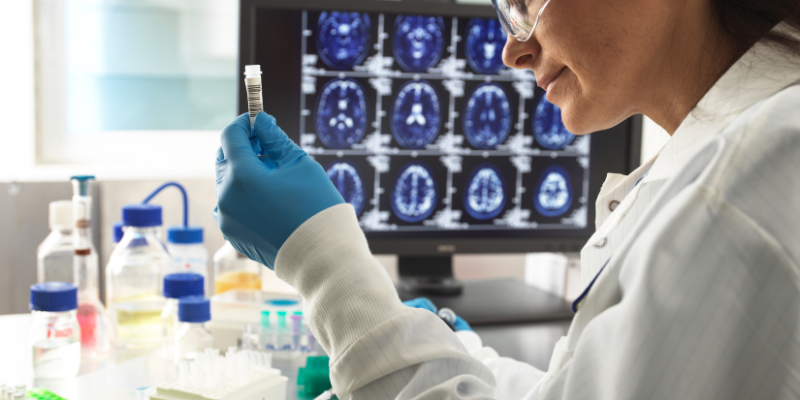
(134, 81)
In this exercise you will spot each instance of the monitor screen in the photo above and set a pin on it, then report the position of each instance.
(418, 123)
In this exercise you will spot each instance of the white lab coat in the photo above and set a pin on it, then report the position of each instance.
(693, 285)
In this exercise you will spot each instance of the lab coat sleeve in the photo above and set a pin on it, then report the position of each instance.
(708, 309)
(379, 348)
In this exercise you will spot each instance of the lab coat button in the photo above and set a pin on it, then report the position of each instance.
(612, 205)
(601, 243)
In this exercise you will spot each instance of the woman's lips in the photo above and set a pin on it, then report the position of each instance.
(547, 81)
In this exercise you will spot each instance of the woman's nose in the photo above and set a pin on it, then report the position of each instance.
(520, 55)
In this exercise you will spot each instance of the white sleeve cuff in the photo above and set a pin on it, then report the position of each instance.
(346, 291)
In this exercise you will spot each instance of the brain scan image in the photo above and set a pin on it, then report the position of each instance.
(414, 196)
(553, 194)
(548, 129)
(343, 38)
(487, 116)
(485, 194)
(484, 45)
(341, 113)
(347, 180)
(416, 116)
(418, 41)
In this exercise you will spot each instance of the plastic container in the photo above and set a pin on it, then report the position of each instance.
(191, 337)
(177, 285)
(252, 83)
(185, 246)
(233, 270)
(54, 255)
(54, 335)
(96, 331)
(134, 278)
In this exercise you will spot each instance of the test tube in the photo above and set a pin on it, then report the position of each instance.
(252, 82)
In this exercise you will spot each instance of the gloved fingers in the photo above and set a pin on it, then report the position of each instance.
(274, 141)
(421, 302)
(235, 139)
(461, 325)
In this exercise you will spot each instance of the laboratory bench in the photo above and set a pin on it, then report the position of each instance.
(531, 343)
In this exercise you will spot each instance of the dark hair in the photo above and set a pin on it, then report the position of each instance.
(748, 21)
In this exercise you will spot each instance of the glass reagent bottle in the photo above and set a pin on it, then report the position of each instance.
(185, 246)
(55, 335)
(134, 278)
(192, 338)
(233, 270)
(176, 286)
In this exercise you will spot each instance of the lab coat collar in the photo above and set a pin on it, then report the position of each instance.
(761, 72)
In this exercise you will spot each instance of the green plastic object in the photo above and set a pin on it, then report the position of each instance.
(43, 394)
(314, 379)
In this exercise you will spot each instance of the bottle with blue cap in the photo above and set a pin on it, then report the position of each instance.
(192, 337)
(176, 286)
(55, 335)
(117, 232)
(185, 246)
(133, 278)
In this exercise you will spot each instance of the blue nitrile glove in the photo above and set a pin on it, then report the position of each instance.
(422, 302)
(261, 201)
(425, 303)
(461, 325)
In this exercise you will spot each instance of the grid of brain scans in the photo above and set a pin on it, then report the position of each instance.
(422, 128)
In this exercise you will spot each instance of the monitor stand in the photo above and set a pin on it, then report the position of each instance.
(431, 275)
(480, 302)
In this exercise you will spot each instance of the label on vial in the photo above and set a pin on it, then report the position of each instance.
(253, 86)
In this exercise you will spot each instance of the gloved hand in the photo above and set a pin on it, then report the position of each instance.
(425, 303)
(261, 201)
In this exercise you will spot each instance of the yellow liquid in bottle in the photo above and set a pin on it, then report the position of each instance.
(237, 280)
(139, 322)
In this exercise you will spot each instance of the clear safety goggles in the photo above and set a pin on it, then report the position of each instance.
(516, 19)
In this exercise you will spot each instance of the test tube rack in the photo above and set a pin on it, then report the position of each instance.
(238, 375)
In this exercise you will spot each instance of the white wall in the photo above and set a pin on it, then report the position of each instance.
(17, 122)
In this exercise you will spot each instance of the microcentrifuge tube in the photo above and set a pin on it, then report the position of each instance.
(252, 82)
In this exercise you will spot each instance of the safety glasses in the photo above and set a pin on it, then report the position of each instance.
(515, 18)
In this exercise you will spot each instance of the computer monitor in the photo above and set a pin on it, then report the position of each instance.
(439, 147)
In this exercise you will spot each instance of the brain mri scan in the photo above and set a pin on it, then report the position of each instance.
(553, 194)
(341, 113)
(548, 129)
(485, 194)
(484, 45)
(347, 180)
(414, 196)
(487, 116)
(343, 38)
(418, 41)
(416, 116)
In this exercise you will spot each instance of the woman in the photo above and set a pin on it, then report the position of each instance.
(693, 286)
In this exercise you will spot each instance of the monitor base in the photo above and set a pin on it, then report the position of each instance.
(430, 285)
(500, 301)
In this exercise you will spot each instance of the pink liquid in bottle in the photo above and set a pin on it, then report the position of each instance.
(87, 319)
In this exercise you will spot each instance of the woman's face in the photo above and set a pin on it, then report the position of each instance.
(596, 59)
